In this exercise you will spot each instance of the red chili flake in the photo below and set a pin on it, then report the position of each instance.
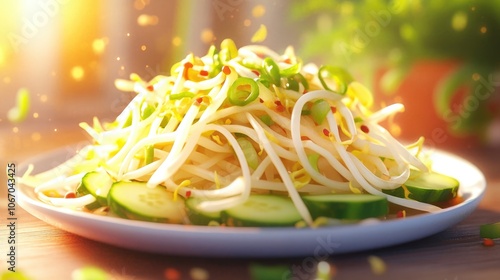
(279, 106)
(70, 195)
(172, 274)
(188, 194)
(150, 88)
(334, 109)
(226, 70)
(187, 65)
(288, 60)
(305, 91)
(198, 101)
(326, 132)
(364, 128)
(203, 73)
(304, 138)
(256, 72)
(488, 242)
(261, 101)
(401, 214)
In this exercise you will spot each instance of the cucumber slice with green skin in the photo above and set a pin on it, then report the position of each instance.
(137, 201)
(262, 211)
(96, 183)
(428, 187)
(199, 217)
(346, 206)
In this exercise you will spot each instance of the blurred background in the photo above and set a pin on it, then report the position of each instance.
(440, 58)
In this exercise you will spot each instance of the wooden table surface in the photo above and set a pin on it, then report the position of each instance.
(46, 252)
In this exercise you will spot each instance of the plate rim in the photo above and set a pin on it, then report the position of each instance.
(40, 209)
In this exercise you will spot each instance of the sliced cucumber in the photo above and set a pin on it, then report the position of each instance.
(346, 206)
(96, 183)
(262, 211)
(137, 201)
(198, 217)
(428, 187)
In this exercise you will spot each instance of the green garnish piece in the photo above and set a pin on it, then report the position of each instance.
(319, 110)
(249, 151)
(332, 76)
(272, 70)
(491, 231)
(243, 91)
(428, 187)
(20, 112)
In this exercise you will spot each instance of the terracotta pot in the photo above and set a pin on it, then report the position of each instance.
(420, 117)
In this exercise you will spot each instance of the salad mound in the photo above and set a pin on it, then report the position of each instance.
(245, 136)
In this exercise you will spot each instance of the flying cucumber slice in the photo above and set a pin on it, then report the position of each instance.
(262, 211)
(96, 183)
(197, 216)
(428, 187)
(137, 201)
(346, 206)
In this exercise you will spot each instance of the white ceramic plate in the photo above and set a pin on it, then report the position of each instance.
(257, 242)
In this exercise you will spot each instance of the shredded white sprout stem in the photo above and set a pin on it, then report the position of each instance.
(294, 195)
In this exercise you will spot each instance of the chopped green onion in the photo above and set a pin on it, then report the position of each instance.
(313, 160)
(149, 154)
(490, 230)
(128, 121)
(292, 70)
(267, 120)
(181, 95)
(293, 82)
(305, 112)
(319, 110)
(264, 82)
(272, 70)
(239, 94)
(336, 75)
(146, 110)
(265, 272)
(249, 151)
(358, 119)
(20, 112)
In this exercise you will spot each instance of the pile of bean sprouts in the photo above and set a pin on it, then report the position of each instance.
(198, 134)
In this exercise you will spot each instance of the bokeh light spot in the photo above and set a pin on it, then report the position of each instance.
(176, 41)
(77, 72)
(258, 11)
(207, 36)
(147, 20)
(459, 21)
(99, 45)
